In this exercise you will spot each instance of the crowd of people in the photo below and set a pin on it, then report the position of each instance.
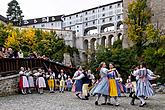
(84, 84)
(40, 79)
(10, 53)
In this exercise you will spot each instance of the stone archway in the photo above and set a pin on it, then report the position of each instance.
(87, 30)
(93, 44)
(85, 45)
(119, 36)
(110, 40)
(85, 57)
(103, 41)
(119, 25)
(107, 27)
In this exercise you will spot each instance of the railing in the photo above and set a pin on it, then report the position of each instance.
(12, 66)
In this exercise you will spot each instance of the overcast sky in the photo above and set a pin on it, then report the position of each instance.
(42, 8)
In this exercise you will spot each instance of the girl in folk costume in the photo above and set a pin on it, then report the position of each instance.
(23, 82)
(114, 89)
(129, 85)
(51, 80)
(78, 82)
(143, 86)
(102, 87)
(62, 77)
(69, 83)
(40, 82)
(122, 86)
(30, 79)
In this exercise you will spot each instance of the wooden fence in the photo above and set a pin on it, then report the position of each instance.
(12, 66)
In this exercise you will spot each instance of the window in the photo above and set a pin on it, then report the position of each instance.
(33, 26)
(52, 24)
(103, 9)
(77, 26)
(86, 24)
(64, 19)
(70, 28)
(93, 22)
(76, 15)
(77, 30)
(118, 5)
(103, 14)
(70, 22)
(118, 17)
(70, 17)
(110, 19)
(42, 25)
(86, 18)
(93, 11)
(103, 20)
(86, 13)
(110, 6)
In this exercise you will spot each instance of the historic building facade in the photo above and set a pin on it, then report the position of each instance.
(100, 25)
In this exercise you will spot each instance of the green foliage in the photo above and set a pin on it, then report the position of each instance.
(14, 13)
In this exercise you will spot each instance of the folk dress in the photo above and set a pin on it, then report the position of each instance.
(114, 88)
(102, 87)
(143, 86)
(23, 82)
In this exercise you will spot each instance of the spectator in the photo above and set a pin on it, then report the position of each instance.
(20, 54)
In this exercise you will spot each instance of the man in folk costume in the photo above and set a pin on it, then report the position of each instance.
(143, 86)
(23, 82)
(102, 87)
(51, 80)
(78, 82)
(62, 77)
(114, 89)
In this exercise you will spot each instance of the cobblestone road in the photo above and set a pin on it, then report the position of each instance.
(67, 101)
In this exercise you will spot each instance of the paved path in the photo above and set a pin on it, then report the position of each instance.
(67, 101)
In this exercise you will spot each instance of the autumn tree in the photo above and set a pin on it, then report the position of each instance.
(14, 13)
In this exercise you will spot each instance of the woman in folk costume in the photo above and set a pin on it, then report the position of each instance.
(102, 87)
(23, 82)
(78, 83)
(51, 80)
(69, 83)
(143, 86)
(114, 89)
(30, 79)
(40, 82)
(85, 81)
(62, 77)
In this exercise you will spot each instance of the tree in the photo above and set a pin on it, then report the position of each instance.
(138, 19)
(14, 13)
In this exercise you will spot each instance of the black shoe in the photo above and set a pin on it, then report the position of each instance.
(141, 105)
(132, 103)
(96, 103)
(109, 104)
(103, 104)
(78, 96)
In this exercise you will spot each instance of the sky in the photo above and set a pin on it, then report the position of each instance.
(41, 8)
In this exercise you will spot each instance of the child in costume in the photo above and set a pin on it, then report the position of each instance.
(51, 80)
(62, 78)
(69, 83)
(23, 82)
(30, 79)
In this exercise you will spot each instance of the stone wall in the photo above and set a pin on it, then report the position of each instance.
(9, 85)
